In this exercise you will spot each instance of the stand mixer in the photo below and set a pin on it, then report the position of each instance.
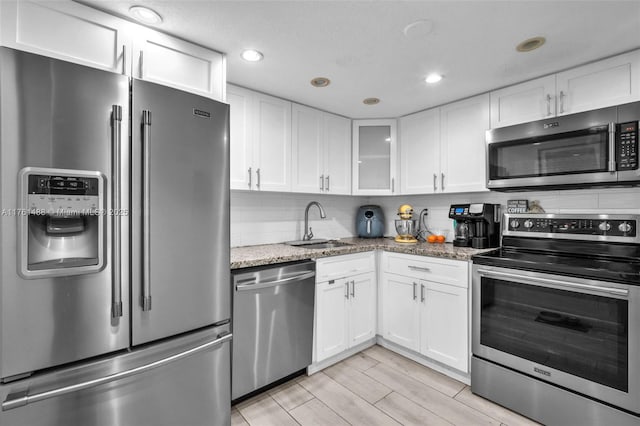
(406, 225)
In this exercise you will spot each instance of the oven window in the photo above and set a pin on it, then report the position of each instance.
(570, 154)
(581, 334)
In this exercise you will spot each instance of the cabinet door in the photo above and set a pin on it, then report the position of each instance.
(374, 157)
(400, 311)
(362, 308)
(331, 318)
(307, 150)
(272, 143)
(337, 154)
(82, 35)
(529, 101)
(600, 84)
(444, 330)
(173, 62)
(241, 168)
(462, 142)
(419, 144)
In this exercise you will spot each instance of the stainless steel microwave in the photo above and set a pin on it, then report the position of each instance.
(593, 148)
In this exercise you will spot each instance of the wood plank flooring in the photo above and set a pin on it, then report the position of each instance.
(373, 387)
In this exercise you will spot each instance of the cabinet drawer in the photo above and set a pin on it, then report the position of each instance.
(446, 271)
(335, 267)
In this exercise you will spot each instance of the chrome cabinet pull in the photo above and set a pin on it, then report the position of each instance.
(146, 220)
(435, 182)
(321, 182)
(393, 185)
(258, 177)
(548, 104)
(20, 399)
(116, 284)
(419, 268)
(249, 177)
(422, 298)
(327, 179)
(124, 59)
(346, 286)
(415, 286)
(442, 181)
(562, 95)
(141, 63)
(353, 288)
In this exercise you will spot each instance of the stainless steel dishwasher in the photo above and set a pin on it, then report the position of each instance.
(272, 324)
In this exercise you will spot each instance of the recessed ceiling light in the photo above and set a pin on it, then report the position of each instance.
(145, 15)
(530, 44)
(252, 55)
(433, 78)
(320, 82)
(371, 101)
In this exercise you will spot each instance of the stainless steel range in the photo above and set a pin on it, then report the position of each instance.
(556, 319)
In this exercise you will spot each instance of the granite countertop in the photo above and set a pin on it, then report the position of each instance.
(268, 254)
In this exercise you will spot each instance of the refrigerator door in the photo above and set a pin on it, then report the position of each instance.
(58, 115)
(183, 381)
(180, 238)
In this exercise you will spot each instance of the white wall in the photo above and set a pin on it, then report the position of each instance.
(272, 217)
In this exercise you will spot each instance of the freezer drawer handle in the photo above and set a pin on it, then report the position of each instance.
(116, 130)
(20, 399)
(267, 284)
(146, 220)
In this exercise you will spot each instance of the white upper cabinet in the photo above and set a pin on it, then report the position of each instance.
(321, 152)
(260, 141)
(420, 152)
(374, 157)
(462, 145)
(443, 149)
(529, 101)
(170, 61)
(67, 31)
(600, 84)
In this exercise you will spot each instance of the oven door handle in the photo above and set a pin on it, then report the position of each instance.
(555, 283)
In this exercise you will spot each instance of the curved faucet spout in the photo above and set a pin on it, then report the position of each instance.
(308, 233)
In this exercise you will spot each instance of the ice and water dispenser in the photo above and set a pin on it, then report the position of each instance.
(62, 222)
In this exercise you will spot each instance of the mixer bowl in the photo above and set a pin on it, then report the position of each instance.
(406, 227)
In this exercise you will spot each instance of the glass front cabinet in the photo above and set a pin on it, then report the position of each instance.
(374, 156)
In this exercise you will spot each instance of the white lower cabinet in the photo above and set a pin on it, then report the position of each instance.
(425, 307)
(345, 303)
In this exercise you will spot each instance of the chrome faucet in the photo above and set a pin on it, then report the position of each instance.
(308, 233)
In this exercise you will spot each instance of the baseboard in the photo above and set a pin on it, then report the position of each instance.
(314, 368)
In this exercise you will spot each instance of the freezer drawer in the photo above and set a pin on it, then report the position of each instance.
(272, 324)
(184, 381)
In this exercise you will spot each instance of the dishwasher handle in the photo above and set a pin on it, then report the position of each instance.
(266, 284)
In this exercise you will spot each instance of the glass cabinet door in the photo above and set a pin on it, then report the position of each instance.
(374, 152)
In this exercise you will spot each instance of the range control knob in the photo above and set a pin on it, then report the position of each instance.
(528, 224)
(514, 223)
(624, 227)
(604, 226)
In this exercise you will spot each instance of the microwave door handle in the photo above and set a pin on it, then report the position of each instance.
(612, 147)
(116, 131)
(554, 283)
(146, 199)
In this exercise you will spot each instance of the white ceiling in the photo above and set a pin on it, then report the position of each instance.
(362, 47)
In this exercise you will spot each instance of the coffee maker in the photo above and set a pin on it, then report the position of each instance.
(476, 225)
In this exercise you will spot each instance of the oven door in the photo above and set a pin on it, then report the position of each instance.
(583, 156)
(577, 333)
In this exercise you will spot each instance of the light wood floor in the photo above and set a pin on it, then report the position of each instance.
(373, 387)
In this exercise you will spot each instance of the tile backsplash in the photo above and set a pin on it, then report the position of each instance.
(272, 217)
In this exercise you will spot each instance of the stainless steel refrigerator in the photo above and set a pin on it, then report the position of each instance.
(115, 288)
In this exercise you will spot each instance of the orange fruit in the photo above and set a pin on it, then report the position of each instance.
(432, 238)
(440, 238)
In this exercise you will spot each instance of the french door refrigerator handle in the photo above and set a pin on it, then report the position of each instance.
(146, 200)
(20, 399)
(553, 283)
(116, 283)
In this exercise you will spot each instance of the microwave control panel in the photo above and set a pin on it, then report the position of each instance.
(578, 226)
(627, 146)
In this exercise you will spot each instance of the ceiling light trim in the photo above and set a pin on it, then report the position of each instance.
(531, 44)
(320, 82)
(371, 101)
(252, 55)
(145, 15)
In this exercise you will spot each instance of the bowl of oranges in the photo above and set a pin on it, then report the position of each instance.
(436, 238)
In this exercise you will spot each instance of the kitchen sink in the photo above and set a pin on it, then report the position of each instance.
(318, 244)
